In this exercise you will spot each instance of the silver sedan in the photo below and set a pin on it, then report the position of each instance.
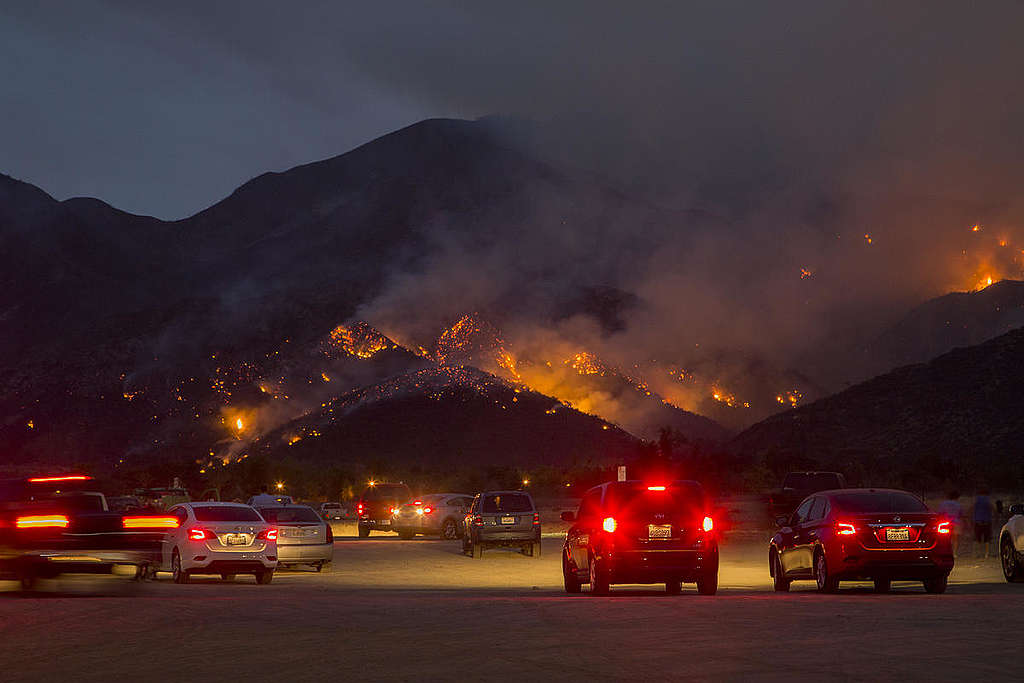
(303, 537)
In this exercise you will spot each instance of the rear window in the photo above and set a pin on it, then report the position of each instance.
(638, 500)
(298, 514)
(397, 492)
(507, 502)
(226, 513)
(812, 482)
(332, 506)
(879, 502)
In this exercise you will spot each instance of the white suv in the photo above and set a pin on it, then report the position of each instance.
(219, 538)
(1011, 545)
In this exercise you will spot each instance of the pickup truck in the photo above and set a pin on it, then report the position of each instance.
(798, 485)
(55, 525)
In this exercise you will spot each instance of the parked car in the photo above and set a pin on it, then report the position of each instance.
(302, 537)
(438, 514)
(798, 485)
(377, 505)
(1011, 545)
(219, 538)
(639, 532)
(882, 535)
(331, 511)
(501, 519)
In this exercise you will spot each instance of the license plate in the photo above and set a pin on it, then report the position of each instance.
(659, 531)
(235, 539)
(384, 522)
(897, 534)
(508, 520)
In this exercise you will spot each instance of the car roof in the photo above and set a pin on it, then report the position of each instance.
(213, 503)
(491, 493)
(835, 492)
(280, 507)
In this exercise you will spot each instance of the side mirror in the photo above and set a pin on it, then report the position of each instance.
(781, 521)
(568, 516)
(1017, 509)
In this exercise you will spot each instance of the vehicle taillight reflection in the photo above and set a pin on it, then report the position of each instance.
(42, 522)
(845, 529)
(708, 524)
(198, 534)
(944, 527)
(609, 524)
(150, 523)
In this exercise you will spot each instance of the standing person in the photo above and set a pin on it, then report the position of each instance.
(264, 498)
(983, 521)
(954, 512)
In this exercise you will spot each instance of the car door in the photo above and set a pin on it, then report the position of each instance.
(467, 519)
(790, 539)
(578, 536)
(810, 532)
(173, 536)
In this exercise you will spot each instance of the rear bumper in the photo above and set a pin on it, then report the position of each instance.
(375, 525)
(313, 552)
(233, 567)
(894, 565)
(206, 562)
(656, 566)
(50, 564)
(498, 538)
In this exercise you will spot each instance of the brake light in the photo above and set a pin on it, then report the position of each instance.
(478, 521)
(845, 529)
(944, 527)
(267, 535)
(427, 511)
(70, 477)
(330, 534)
(609, 524)
(536, 518)
(417, 502)
(359, 509)
(394, 511)
(655, 488)
(42, 522)
(199, 534)
(150, 523)
(708, 524)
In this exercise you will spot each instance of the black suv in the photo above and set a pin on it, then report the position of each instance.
(638, 532)
(377, 505)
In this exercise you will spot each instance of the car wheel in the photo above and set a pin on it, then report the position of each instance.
(1008, 556)
(779, 580)
(598, 577)
(449, 531)
(708, 583)
(405, 535)
(826, 582)
(27, 580)
(882, 585)
(265, 577)
(319, 566)
(364, 532)
(673, 587)
(227, 577)
(478, 550)
(179, 574)
(936, 585)
(535, 549)
(569, 579)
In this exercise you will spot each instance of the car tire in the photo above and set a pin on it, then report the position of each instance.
(364, 532)
(570, 580)
(319, 567)
(708, 583)
(599, 584)
(227, 577)
(936, 585)
(466, 549)
(478, 550)
(673, 587)
(779, 580)
(177, 573)
(882, 585)
(406, 535)
(826, 582)
(449, 530)
(1012, 571)
(265, 577)
(535, 549)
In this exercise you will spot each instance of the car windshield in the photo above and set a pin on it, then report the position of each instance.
(811, 482)
(639, 500)
(284, 515)
(388, 492)
(226, 513)
(507, 502)
(880, 501)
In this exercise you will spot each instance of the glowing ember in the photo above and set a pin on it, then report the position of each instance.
(239, 424)
(790, 398)
(359, 340)
(586, 364)
(804, 273)
(324, 376)
(868, 238)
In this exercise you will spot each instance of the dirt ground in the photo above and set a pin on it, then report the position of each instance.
(419, 610)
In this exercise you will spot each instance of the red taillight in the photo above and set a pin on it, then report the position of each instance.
(42, 522)
(199, 534)
(70, 477)
(143, 522)
(478, 521)
(609, 524)
(417, 502)
(536, 518)
(427, 511)
(394, 511)
(655, 488)
(708, 524)
(330, 534)
(359, 509)
(845, 529)
(267, 535)
(944, 527)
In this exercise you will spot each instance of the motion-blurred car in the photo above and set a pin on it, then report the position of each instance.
(302, 537)
(798, 485)
(331, 511)
(881, 535)
(1011, 545)
(377, 505)
(219, 538)
(501, 519)
(637, 532)
(437, 514)
(124, 503)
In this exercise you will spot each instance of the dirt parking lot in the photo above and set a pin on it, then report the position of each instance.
(419, 610)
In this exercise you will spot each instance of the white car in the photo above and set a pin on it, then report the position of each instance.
(219, 538)
(1011, 545)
